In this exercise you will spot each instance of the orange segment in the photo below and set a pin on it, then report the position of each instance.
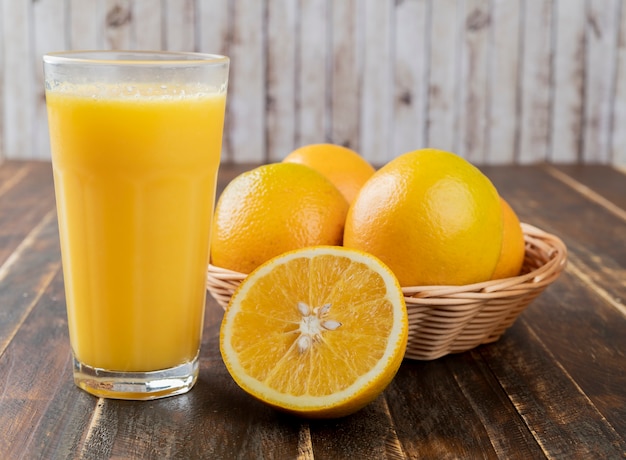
(319, 331)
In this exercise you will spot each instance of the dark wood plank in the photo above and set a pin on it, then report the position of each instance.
(11, 172)
(24, 278)
(24, 203)
(60, 429)
(586, 338)
(563, 415)
(457, 410)
(508, 435)
(516, 396)
(34, 369)
(377, 436)
(52, 416)
(579, 318)
(607, 182)
(216, 419)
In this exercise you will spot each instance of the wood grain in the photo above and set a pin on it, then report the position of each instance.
(180, 25)
(618, 136)
(147, 25)
(377, 109)
(411, 44)
(608, 183)
(593, 233)
(117, 24)
(473, 97)
(545, 401)
(86, 18)
(19, 99)
(498, 82)
(345, 71)
(23, 204)
(444, 421)
(569, 80)
(312, 79)
(2, 98)
(601, 36)
(536, 77)
(504, 105)
(246, 101)
(25, 275)
(281, 91)
(443, 67)
(214, 33)
(25, 368)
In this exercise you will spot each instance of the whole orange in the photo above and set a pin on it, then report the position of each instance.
(272, 209)
(513, 245)
(342, 166)
(432, 217)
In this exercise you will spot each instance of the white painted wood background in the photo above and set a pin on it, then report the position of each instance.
(496, 81)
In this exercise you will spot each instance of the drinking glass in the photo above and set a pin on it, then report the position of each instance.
(135, 141)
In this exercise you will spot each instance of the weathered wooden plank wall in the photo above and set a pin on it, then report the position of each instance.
(497, 81)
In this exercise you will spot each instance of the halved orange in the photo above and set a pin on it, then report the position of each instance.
(319, 332)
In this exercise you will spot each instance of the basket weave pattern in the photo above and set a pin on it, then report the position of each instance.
(452, 319)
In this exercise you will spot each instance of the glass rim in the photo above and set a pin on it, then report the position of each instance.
(141, 58)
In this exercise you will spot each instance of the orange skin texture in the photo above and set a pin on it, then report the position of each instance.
(513, 245)
(273, 209)
(342, 166)
(432, 217)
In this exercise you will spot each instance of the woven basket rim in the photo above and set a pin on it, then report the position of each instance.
(226, 273)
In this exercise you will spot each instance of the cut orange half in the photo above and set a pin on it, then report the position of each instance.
(319, 332)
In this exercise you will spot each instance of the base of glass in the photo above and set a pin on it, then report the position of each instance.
(136, 385)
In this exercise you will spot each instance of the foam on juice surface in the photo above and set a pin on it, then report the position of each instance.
(142, 91)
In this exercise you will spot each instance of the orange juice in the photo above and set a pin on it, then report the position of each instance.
(135, 171)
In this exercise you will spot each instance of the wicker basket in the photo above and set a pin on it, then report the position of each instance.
(453, 319)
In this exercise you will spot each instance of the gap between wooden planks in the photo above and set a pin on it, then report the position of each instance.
(13, 258)
(19, 175)
(587, 192)
(574, 267)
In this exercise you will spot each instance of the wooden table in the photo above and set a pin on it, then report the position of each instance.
(553, 386)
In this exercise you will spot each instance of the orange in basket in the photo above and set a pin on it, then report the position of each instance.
(431, 216)
(344, 167)
(272, 209)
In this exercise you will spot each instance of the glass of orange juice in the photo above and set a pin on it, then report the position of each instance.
(135, 140)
